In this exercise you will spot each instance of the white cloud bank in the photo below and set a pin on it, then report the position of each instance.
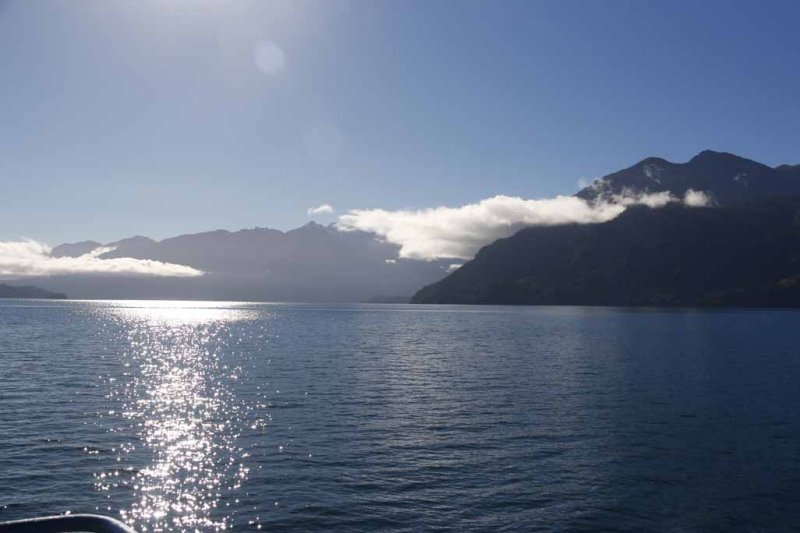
(30, 258)
(459, 232)
(324, 209)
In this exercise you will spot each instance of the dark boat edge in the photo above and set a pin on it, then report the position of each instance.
(65, 523)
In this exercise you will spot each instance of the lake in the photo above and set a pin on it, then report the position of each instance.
(289, 417)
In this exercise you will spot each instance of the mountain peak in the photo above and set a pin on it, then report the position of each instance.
(707, 156)
(136, 240)
(711, 153)
(653, 161)
(727, 178)
(310, 226)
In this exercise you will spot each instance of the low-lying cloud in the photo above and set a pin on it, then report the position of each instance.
(459, 232)
(694, 198)
(29, 258)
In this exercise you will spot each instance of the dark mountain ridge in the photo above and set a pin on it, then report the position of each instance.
(743, 252)
(675, 256)
(310, 263)
(727, 178)
(75, 249)
(28, 291)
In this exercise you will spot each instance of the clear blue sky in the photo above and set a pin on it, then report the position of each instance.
(154, 118)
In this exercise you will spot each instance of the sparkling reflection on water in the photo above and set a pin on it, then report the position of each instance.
(180, 406)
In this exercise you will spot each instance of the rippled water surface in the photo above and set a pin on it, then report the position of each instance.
(200, 416)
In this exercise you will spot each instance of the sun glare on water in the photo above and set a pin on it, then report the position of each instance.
(180, 416)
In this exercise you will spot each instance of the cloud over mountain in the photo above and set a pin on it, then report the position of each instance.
(29, 258)
(459, 232)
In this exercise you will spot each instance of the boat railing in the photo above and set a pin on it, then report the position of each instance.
(87, 523)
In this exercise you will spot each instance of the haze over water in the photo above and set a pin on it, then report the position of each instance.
(191, 415)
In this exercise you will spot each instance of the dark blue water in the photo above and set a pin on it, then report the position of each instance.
(351, 418)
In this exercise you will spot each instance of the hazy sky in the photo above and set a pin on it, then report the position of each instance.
(173, 116)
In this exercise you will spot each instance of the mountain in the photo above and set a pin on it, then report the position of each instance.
(727, 178)
(75, 249)
(670, 256)
(743, 251)
(310, 263)
(319, 263)
(27, 291)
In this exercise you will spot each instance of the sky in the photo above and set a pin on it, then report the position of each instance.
(163, 117)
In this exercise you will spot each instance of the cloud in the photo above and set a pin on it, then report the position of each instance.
(324, 209)
(30, 258)
(694, 198)
(459, 232)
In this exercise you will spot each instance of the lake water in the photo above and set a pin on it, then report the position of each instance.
(288, 417)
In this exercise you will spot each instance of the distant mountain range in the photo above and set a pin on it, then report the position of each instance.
(27, 291)
(310, 263)
(743, 251)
